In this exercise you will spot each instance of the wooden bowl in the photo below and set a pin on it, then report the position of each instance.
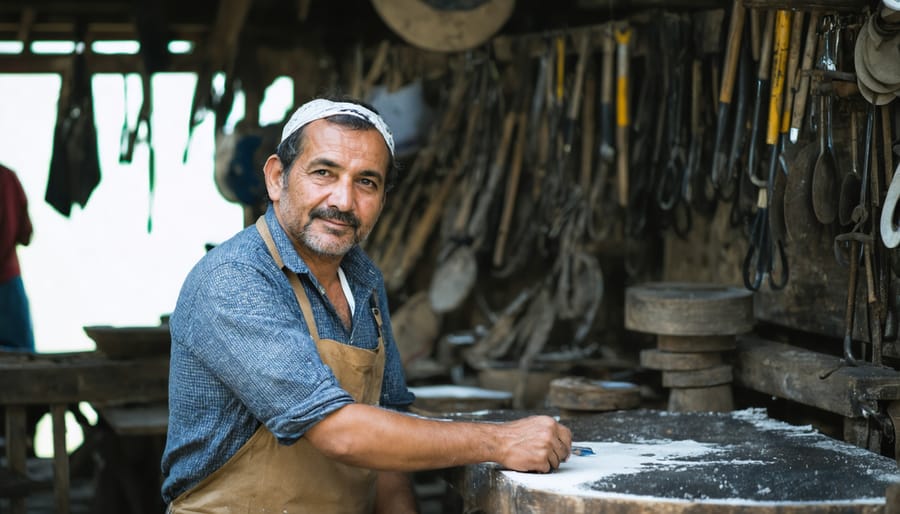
(130, 342)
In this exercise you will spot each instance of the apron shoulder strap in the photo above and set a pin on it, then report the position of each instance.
(294, 280)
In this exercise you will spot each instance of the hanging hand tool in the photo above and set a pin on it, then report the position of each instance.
(855, 237)
(762, 251)
(809, 52)
(526, 101)
(575, 103)
(824, 181)
(732, 53)
(671, 184)
(588, 123)
(762, 83)
(606, 154)
(623, 39)
(607, 149)
(777, 226)
(792, 72)
(696, 147)
(724, 183)
(848, 196)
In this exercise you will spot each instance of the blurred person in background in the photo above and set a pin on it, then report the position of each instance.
(15, 229)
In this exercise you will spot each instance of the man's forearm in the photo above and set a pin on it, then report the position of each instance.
(376, 438)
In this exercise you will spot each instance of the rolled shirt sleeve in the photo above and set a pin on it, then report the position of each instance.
(248, 339)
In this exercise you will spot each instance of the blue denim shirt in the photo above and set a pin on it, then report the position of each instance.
(242, 354)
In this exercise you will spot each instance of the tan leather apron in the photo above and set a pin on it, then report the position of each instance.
(265, 476)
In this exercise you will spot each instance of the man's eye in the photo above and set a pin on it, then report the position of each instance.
(321, 172)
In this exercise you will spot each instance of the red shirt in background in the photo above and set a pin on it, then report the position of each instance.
(15, 225)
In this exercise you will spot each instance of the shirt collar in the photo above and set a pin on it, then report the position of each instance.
(358, 267)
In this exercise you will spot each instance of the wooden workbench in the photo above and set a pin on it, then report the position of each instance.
(656, 461)
(59, 380)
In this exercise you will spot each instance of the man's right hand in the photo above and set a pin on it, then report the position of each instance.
(536, 443)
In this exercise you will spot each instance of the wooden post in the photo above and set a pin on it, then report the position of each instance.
(15, 448)
(60, 458)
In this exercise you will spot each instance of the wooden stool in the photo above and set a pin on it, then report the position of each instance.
(696, 325)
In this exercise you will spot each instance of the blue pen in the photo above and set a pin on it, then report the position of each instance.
(582, 451)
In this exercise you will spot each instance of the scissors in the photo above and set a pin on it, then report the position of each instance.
(763, 251)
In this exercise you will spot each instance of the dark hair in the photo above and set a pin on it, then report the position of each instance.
(292, 146)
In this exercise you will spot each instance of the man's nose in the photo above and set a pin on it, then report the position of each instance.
(341, 196)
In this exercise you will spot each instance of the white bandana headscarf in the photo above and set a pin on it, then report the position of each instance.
(321, 108)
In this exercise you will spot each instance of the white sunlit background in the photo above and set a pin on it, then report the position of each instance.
(100, 266)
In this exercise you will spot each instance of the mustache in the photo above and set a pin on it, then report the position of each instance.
(335, 214)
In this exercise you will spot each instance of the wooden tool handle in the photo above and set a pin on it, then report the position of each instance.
(512, 188)
(583, 51)
(765, 52)
(587, 132)
(809, 52)
(606, 93)
(792, 64)
(623, 38)
(754, 34)
(735, 30)
(779, 67)
(577, 93)
(476, 223)
(609, 56)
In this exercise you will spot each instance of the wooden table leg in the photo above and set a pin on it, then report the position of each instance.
(16, 448)
(60, 458)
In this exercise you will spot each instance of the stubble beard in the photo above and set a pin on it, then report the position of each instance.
(333, 242)
(330, 244)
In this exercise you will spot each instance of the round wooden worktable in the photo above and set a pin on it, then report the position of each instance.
(664, 462)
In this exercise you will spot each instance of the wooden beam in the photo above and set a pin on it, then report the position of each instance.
(97, 63)
(227, 29)
(796, 374)
(93, 380)
(98, 31)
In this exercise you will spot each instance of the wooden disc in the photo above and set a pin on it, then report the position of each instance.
(698, 378)
(694, 344)
(701, 399)
(688, 309)
(584, 394)
(684, 361)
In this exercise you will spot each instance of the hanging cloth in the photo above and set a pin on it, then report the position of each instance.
(75, 163)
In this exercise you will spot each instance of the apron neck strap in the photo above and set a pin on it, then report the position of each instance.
(294, 280)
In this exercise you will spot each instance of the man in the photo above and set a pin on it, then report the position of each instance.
(15, 229)
(282, 350)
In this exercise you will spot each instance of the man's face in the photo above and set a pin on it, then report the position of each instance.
(335, 190)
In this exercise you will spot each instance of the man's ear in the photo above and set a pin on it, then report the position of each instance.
(274, 173)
